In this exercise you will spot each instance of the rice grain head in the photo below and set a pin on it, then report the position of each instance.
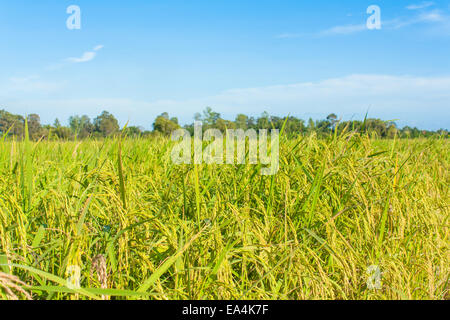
(12, 286)
(99, 264)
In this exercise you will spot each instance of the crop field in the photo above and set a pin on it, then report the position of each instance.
(347, 216)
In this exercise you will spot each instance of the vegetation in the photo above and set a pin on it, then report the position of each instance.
(106, 125)
(137, 226)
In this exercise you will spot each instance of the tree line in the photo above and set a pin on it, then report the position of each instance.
(106, 125)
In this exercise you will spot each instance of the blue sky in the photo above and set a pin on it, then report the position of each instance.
(138, 59)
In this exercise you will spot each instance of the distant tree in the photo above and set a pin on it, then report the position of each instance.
(322, 127)
(63, 133)
(415, 132)
(263, 122)
(251, 123)
(224, 125)
(46, 131)
(34, 126)
(164, 125)
(276, 122)
(134, 131)
(332, 119)
(311, 126)
(13, 123)
(74, 123)
(377, 126)
(209, 118)
(165, 115)
(391, 131)
(86, 127)
(81, 126)
(189, 128)
(241, 121)
(294, 126)
(106, 124)
(56, 124)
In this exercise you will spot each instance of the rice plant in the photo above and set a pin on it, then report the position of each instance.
(116, 219)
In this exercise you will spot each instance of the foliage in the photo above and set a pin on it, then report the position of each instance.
(338, 205)
(105, 125)
(165, 125)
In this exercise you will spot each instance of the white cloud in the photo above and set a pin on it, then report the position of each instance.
(436, 21)
(29, 84)
(417, 101)
(87, 56)
(289, 35)
(21, 80)
(434, 18)
(348, 29)
(337, 30)
(422, 5)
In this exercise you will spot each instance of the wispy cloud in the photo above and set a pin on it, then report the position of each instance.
(348, 29)
(414, 100)
(30, 84)
(87, 56)
(27, 79)
(437, 17)
(419, 6)
(337, 30)
(434, 17)
(290, 35)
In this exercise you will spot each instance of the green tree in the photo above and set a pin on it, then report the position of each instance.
(208, 118)
(263, 122)
(332, 119)
(165, 125)
(224, 125)
(134, 131)
(241, 121)
(57, 124)
(13, 123)
(34, 126)
(294, 126)
(392, 131)
(81, 126)
(63, 133)
(106, 124)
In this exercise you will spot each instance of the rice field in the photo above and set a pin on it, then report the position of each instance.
(346, 217)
